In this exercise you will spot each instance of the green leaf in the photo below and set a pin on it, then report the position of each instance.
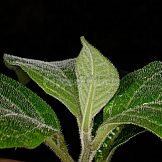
(138, 100)
(57, 79)
(25, 119)
(97, 81)
(118, 136)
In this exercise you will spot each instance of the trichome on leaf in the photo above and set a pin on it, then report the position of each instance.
(86, 85)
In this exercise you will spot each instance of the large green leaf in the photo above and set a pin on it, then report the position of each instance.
(55, 78)
(25, 119)
(97, 81)
(138, 100)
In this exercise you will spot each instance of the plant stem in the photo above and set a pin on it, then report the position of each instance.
(86, 147)
(58, 146)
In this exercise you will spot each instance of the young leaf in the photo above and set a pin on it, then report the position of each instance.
(55, 78)
(25, 119)
(118, 136)
(139, 100)
(97, 81)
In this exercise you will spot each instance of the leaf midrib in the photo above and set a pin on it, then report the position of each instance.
(141, 86)
(110, 120)
(37, 112)
(29, 119)
(136, 91)
(92, 85)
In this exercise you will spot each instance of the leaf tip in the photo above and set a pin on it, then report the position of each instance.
(5, 56)
(83, 40)
(6, 60)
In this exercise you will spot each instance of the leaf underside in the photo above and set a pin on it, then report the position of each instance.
(84, 85)
(57, 78)
(25, 119)
(138, 100)
(97, 81)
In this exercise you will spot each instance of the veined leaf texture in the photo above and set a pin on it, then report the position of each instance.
(57, 79)
(97, 81)
(138, 100)
(25, 119)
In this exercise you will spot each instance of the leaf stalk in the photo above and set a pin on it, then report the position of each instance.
(58, 146)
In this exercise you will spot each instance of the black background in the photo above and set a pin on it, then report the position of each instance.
(127, 32)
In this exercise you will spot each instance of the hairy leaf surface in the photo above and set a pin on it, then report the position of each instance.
(118, 136)
(57, 78)
(138, 100)
(25, 119)
(97, 81)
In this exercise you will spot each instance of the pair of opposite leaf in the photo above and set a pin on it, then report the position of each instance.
(84, 85)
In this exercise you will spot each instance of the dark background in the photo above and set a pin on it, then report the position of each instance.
(127, 32)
